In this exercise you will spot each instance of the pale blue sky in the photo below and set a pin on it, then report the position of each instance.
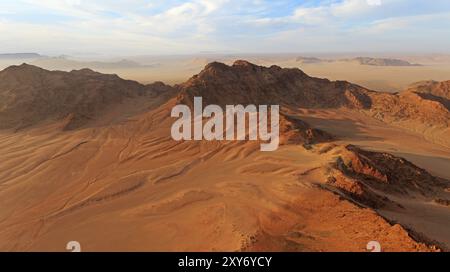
(133, 27)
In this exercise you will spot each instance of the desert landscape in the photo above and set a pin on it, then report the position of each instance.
(89, 157)
(387, 72)
(243, 128)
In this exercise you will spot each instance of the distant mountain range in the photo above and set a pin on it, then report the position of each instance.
(65, 63)
(11, 56)
(359, 60)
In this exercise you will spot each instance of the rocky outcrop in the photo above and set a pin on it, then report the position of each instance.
(367, 177)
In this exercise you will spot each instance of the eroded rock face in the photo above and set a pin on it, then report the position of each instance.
(356, 191)
(392, 170)
(367, 177)
(296, 131)
(410, 107)
(424, 103)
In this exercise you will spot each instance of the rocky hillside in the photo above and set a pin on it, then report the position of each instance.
(29, 95)
(247, 83)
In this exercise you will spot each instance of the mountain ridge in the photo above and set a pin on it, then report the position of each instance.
(218, 83)
(30, 94)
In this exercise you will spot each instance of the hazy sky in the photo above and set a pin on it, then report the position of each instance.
(136, 27)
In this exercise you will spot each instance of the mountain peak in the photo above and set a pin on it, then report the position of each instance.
(215, 65)
(243, 63)
(237, 67)
(85, 71)
(26, 65)
(23, 67)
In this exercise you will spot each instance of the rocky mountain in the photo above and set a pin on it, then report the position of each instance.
(411, 107)
(368, 172)
(247, 83)
(296, 131)
(10, 56)
(359, 60)
(382, 62)
(308, 60)
(432, 90)
(65, 63)
(29, 95)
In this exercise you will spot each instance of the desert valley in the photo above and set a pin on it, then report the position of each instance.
(88, 156)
